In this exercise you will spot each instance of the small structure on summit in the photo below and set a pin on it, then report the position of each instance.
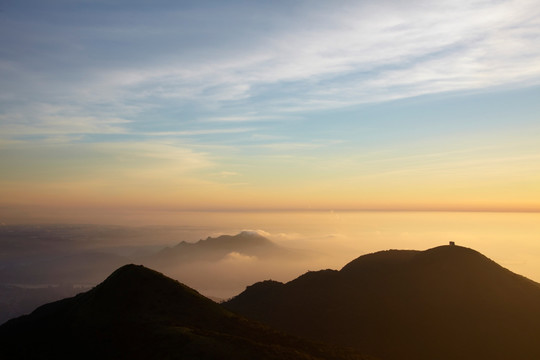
(452, 243)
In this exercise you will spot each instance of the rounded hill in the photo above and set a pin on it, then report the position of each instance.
(449, 302)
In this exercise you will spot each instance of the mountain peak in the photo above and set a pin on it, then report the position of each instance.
(135, 294)
(382, 260)
(446, 255)
(251, 233)
(132, 272)
(244, 238)
(452, 251)
(247, 242)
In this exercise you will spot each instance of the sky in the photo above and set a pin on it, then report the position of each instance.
(269, 105)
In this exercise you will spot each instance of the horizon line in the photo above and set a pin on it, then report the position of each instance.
(464, 210)
(472, 209)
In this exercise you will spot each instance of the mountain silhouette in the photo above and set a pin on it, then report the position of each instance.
(248, 243)
(138, 313)
(448, 302)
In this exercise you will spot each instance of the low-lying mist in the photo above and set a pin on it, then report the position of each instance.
(60, 259)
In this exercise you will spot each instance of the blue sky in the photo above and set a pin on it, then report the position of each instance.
(274, 102)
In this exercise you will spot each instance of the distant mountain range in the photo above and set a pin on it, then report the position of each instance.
(448, 302)
(248, 243)
(137, 313)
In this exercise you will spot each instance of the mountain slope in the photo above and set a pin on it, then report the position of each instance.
(448, 302)
(137, 313)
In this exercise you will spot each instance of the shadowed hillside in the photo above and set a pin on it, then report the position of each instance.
(448, 302)
(137, 313)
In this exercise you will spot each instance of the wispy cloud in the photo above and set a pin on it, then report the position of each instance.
(198, 132)
(356, 53)
(373, 53)
(46, 119)
(58, 125)
(227, 174)
(242, 118)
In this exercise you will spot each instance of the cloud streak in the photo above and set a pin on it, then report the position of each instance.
(359, 53)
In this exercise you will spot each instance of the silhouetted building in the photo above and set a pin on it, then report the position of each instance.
(452, 243)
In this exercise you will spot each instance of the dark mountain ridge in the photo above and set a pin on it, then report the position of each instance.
(138, 313)
(448, 302)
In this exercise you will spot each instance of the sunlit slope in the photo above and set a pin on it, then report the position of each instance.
(137, 313)
(448, 302)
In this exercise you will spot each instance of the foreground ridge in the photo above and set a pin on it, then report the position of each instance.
(138, 313)
(449, 302)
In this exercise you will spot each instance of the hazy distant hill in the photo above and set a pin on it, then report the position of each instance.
(137, 313)
(74, 254)
(16, 300)
(248, 243)
(448, 302)
(81, 268)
